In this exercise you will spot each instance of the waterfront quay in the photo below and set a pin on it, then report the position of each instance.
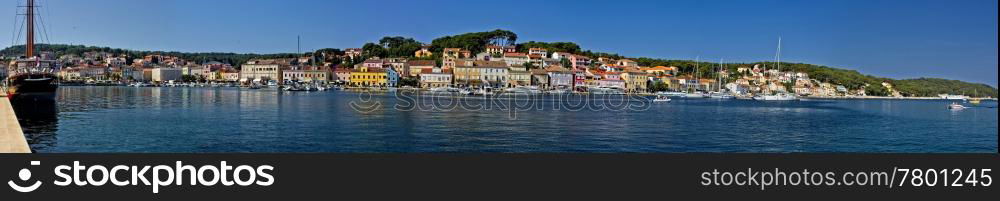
(11, 136)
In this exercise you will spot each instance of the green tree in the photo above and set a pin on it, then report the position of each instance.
(565, 62)
(370, 50)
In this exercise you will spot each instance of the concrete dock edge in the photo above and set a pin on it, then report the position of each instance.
(11, 136)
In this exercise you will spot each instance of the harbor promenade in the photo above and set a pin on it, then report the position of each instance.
(11, 136)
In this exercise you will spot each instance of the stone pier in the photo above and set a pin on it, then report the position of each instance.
(11, 136)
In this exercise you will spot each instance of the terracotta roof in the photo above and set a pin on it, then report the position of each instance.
(538, 71)
(555, 68)
(431, 71)
(422, 63)
(515, 54)
(490, 63)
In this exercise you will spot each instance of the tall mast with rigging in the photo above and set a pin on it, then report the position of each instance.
(30, 21)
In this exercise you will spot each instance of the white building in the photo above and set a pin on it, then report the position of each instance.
(260, 72)
(435, 77)
(166, 74)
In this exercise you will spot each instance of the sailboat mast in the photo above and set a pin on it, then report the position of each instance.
(718, 75)
(777, 56)
(30, 18)
(697, 59)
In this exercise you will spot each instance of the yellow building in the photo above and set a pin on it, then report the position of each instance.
(368, 77)
(635, 80)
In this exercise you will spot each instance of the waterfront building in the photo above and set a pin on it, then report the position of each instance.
(711, 85)
(611, 79)
(342, 75)
(635, 80)
(400, 65)
(392, 77)
(95, 72)
(518, 75)
(579, 78)
(64, 74)
(194, 70)
(306, 74)
(482, 73)
(560, 77)
(260, 72)
(166, 74)
(229, 75)
(368, 77)
(540, 78)
(435, 77)
(417, 66)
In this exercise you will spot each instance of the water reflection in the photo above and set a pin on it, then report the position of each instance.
(40, 118)
(129, 119)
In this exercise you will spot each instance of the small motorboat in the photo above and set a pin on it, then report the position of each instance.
(956, 106)
(662, 99)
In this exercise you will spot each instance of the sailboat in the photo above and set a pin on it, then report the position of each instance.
(718, 94)
(694, 93)
(973, 100)
(32, 78)
(780, 96)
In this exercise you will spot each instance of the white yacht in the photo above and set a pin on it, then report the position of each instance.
(953, 97)
(606, 90)
(956, 106)
(695, 95)
(444, 90)
(720, 95)
(777, 97)
(661, 98)
(672, 94)
(523, 90)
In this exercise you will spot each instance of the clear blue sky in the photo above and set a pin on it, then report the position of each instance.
(897, 39)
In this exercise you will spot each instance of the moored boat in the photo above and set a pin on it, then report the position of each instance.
(956, 106)
(661, 98)
(32, 78)
(776, 97)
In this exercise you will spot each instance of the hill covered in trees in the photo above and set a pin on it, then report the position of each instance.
(59, 49)
(399, 46)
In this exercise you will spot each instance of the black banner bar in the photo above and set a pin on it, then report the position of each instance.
(494, 176)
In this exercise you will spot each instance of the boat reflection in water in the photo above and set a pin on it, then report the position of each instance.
(39, 120)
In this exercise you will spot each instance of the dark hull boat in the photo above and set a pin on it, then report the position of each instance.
(32, 78)
(32, 87)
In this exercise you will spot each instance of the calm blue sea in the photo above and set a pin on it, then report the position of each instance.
(128, 119)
